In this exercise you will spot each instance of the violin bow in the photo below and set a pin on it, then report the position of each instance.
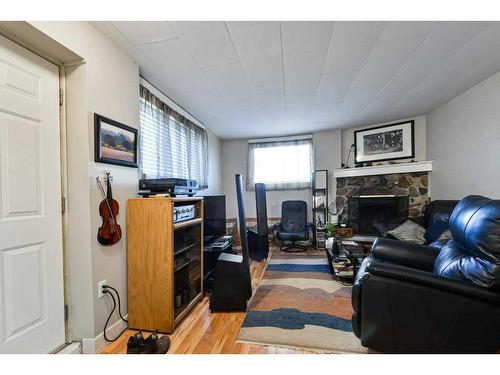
(104, 197)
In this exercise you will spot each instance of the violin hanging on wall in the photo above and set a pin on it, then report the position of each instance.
(110, 232)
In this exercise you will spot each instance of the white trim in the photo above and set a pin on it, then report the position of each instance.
(92, 346)
(418, 166)
(176, 107)
(74, 348)
(281, 139)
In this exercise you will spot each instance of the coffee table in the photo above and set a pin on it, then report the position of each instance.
(348, 249)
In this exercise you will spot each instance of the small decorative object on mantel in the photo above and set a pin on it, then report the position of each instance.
(387, 142)
(114, 142)
(346, 164)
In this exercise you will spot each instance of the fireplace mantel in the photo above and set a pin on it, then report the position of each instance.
(417, 166)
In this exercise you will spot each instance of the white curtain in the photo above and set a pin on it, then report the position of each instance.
(171, 145)
(281, 165)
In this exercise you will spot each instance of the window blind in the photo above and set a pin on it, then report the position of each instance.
(171, 146)
(281, 165)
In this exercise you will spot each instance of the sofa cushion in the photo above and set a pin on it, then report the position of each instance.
(409, 231)
(453, 261)
(435, 230)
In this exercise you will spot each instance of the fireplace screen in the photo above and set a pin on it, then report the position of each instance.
(365, 211)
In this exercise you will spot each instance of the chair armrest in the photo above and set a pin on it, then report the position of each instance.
(405, 253)
(431, 280)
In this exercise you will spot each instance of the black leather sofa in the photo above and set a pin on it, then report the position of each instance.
(411, 298)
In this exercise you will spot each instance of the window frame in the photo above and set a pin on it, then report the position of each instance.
(279, 185)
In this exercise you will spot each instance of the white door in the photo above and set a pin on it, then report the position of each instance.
(31, 260)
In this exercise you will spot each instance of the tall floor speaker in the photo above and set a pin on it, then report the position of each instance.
(233, 283)
(258, 241)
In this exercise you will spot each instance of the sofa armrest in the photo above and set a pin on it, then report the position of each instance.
(431, 280)
(405, 253)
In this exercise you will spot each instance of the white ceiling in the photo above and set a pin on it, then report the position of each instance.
(252, 79)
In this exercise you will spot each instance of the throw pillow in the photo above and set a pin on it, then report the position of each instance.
(409, 231)
(445, 236)
(435, 230)
(383, 228)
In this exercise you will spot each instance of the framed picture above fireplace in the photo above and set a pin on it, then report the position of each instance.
(386, 142)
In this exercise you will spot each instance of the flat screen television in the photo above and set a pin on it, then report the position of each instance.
(214, 223)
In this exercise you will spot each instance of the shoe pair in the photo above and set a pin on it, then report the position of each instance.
(152, 345)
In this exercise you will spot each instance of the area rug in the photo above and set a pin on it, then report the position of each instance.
(298, 305)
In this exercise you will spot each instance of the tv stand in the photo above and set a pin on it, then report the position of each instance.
(210, 256)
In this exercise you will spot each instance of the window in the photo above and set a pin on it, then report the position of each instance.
(280, 164)
(171, 146)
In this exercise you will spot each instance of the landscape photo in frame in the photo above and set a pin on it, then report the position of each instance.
(115, 143)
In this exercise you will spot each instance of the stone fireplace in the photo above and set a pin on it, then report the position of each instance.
(392, 189)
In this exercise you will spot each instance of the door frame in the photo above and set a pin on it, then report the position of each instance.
(63, 165)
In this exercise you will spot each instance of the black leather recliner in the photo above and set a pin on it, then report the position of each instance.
(293, 226)
(411, 298)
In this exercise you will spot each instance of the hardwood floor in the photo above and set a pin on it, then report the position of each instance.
(203, 332)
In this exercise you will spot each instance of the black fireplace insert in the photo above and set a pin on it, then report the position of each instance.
(365, 211)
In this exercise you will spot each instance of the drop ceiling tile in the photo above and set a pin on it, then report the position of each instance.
(333, 87)
(299, 105)
(199, 30)
(385, 59)
(258, 39)
(407, 29)
(446, 39)
(351, 44)
(175, 61)
(303, 71)
(145, 32)
(305, 36)
(230, 78)
(270, 97)
(355, 102)
(212, 52)
(322, 112)
(208, 42)
(262, 68)
(235, 24)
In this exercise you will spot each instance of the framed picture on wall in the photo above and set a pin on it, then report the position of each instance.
(387, 142)
(114, 142)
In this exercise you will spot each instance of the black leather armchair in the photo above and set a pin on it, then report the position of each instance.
(293, 226)
(411, 298)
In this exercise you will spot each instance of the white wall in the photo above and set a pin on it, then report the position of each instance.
(463, 139)
(420, 137)
(234, 160)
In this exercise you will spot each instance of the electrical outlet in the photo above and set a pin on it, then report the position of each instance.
(100, 284)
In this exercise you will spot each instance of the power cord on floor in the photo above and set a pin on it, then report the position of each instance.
(106, 289)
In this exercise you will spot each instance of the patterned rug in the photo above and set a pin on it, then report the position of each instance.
(297, 304)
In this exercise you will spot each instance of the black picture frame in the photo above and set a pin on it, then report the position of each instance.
(102, 154)
(404, 153)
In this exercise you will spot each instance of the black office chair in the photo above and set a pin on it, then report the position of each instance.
(293, 226)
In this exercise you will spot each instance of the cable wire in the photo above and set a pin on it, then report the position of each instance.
(119, 303)
(109, 317)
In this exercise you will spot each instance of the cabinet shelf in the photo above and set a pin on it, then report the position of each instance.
(187, 223)
(185, 248)
(184, 265)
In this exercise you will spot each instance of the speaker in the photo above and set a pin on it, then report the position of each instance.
(258, 242)
(233, 283)
(261, 209)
